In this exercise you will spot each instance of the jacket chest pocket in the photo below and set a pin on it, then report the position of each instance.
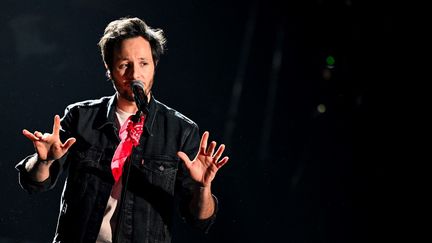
(92, 160)
(159, 173)
(89, 170)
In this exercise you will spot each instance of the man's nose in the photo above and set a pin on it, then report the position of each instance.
(133, 73)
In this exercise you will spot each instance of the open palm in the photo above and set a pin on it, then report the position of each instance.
(204, 167)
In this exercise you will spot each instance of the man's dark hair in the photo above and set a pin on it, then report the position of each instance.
(129, 27)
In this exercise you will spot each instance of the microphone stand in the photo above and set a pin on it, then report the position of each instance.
(126, 173)
(142, 104)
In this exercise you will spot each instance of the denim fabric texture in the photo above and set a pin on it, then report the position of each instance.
(158, 183)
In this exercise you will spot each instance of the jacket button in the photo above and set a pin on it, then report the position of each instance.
(161, 168)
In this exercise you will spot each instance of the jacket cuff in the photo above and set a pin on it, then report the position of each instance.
(202, 224)
(25, 180)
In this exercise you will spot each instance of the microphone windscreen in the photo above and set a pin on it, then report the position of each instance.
(139, 95)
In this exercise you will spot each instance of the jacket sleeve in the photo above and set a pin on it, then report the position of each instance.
(187, 185)
(56, 168)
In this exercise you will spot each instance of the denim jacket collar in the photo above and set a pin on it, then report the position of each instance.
(106, 116)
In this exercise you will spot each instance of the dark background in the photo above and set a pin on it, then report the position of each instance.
(302, 132)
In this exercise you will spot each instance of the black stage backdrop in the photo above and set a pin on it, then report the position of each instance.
(289, 86)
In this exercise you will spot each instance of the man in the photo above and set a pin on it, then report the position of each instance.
(116, 193)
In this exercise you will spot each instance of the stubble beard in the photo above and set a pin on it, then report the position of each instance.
(128, 95)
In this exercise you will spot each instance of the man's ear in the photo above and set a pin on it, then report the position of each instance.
(108, 72)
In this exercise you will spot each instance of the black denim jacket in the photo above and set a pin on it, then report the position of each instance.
(158, 181)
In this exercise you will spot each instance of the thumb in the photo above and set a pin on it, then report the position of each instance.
(185, 158)
(68, 143)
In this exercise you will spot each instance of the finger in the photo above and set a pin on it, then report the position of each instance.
(222, 162)
(38, 134)
(68, 143)
(45, 137)
(219, 152)
(211, 148)
(184, 158)
(203, 144)
(56, 126)
(30, 135)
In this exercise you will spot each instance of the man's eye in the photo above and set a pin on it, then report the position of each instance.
(123, 66)
(143, 63)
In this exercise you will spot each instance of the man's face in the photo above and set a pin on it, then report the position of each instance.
(132, 61)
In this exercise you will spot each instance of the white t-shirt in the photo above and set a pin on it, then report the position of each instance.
(110, 215)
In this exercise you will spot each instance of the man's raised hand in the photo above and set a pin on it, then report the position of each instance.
(48, 145)
(207, 162)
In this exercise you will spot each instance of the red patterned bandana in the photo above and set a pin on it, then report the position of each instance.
(130, 133)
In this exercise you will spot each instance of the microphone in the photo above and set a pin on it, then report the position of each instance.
(139, 96)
